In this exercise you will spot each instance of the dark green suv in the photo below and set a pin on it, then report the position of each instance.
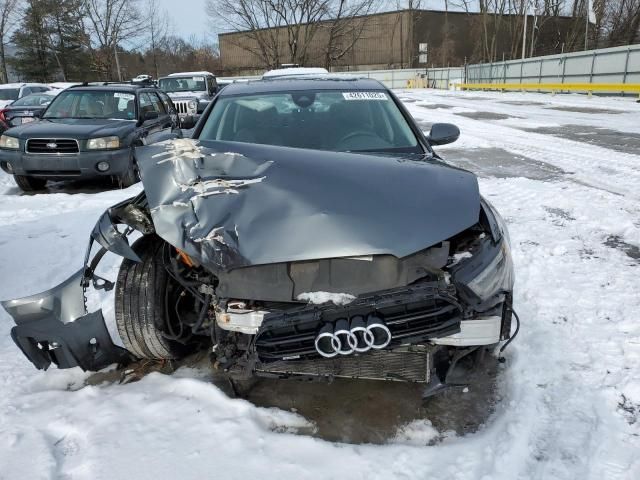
(88, 131)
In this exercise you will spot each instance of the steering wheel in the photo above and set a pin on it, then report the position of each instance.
(364, 134)
(358, 133)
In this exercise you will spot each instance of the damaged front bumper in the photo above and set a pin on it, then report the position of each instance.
(54, 327)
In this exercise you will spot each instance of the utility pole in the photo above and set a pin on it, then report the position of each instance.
(533, 34)
(586, 25)
(115, 51)
(524, 30)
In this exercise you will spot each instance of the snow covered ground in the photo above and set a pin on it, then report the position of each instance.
(565, 173)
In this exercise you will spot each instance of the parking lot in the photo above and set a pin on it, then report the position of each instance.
(564, 171)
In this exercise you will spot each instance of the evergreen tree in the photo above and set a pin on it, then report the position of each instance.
(51, 41)
(33, 60)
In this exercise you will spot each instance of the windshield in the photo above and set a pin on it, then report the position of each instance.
(9, 93)
(93, 104)
(183, 84)
(34, 100)
(354, 121)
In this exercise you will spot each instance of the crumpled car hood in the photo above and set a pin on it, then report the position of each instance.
(230, 204)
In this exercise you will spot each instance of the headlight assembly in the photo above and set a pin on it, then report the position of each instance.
(9, 142)
(193, 105)
(103, 143)
(496, 276)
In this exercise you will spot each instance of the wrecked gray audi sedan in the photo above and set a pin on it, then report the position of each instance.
(307, 229)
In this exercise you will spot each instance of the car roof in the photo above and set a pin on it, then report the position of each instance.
(324, 82)
(113, 87)
(20, 85)
(283, 72)
(187, 74)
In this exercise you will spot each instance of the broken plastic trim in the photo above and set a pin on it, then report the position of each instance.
(54, 327)
(133, 213)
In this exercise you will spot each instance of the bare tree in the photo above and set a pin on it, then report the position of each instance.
(110, 23)
(257, 18)
(346, 26)
(158, 30)
(285, 31)
(8, 22)
(623, 22)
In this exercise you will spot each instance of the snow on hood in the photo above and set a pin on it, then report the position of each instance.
(230, 205)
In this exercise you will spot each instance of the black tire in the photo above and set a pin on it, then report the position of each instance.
(130, 177)
(30, 184)
(140, 303)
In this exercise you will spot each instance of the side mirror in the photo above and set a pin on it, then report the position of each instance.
(162, 136)
(443, 133)
(147, 116)
(150, 116)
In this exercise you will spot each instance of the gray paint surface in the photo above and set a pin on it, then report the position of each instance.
(230, 205)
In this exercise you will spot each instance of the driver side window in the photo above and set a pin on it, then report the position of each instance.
(146, 105)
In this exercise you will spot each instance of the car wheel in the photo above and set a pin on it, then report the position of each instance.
(131, 177)
(141, 303)
(30, 184)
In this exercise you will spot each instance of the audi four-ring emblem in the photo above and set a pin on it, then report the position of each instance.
(355, 335)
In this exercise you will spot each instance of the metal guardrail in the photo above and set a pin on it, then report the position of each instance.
(553, 87)
(608, 67)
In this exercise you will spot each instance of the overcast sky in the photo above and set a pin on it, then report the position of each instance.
(188, 17)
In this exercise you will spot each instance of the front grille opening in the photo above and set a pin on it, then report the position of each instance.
(52, 145)
(412, 314)
(395, 365)
(181, 107)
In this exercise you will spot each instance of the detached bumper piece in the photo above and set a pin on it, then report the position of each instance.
(413, 315)
(85, 343)
(54, 327)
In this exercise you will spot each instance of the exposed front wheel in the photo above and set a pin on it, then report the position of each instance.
(30, 184)
(142, 308)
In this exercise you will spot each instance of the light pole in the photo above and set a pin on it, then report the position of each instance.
(524, 30)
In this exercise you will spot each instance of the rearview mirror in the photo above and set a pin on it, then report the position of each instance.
(443, 133)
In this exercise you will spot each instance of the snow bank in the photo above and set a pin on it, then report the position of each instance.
(570, 390)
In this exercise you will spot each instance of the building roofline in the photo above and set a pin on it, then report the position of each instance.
(390, 12)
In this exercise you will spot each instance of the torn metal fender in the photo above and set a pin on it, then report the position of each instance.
(108, 236)
(54, 327)
(131, 212)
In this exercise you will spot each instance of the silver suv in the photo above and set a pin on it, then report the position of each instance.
(190, 92)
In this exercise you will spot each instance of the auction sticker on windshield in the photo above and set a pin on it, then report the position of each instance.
(126, 96)
(364, 96)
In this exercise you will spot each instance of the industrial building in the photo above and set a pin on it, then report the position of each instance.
(397, 39)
